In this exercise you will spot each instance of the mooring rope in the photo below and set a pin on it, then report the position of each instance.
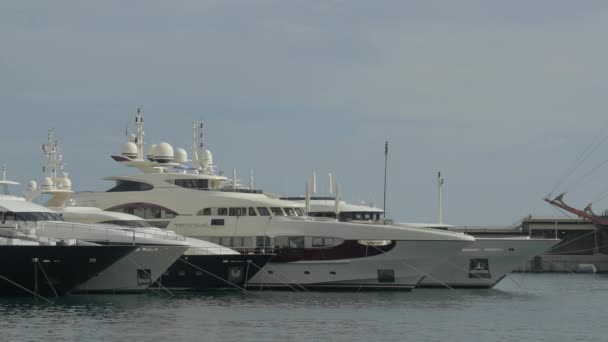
(27, 290)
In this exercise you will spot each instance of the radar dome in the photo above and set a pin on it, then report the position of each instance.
(163, 153)
(131, 138)
(181, 156)
(150, 154)
(66, 184)
(47, 183)
(32, 185)
(207, 157)
(129, 149)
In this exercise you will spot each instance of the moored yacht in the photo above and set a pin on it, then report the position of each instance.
(135, 272)
(202, 266)
(31, 265)
(310, 253)
(482, 264)
(34, 265)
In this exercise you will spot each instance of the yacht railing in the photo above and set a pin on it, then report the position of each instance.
(222, 250)
(111, 232)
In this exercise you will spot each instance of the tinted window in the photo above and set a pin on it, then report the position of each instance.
(263, 211)
(277, 211)
(234, 212)
(299, 212)
(252, 212)
(193, 183)
(222, 211)
(123, 185)
(128, 223)
(290, 212)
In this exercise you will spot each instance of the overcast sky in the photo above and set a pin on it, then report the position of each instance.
(501, 96)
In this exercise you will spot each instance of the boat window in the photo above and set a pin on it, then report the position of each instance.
(235, 212)
(290, 212)
(237, 242)
(296, 242)
(192, 183)
(299, 212)
(144, 210)
(252, 212)
(128, 223)
(323, 242)
(204, 212)
(277, 211)
(33, 216)
(217, 222)
(222, 211)
(125, 185)
(317, 242)
(263, 211)
(281, 242)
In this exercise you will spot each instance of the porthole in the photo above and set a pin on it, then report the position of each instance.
(270, 272)
(306, 272)
(199, 273)
(332, 273)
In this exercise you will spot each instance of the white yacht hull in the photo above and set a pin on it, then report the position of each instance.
(498, 257)
(129, 274)
(408, 262)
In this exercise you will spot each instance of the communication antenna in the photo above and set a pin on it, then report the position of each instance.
(307, 194)
(440, 197)
(139, 134)
(250, 179)
(314, 182)
(385, 168)
(5, 183)
(53, 159)
(330, 184)
(337, 202)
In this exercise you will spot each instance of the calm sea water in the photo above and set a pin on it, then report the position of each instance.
(528, 307)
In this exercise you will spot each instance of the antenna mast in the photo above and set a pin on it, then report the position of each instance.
(440, 197)
(139, 134)
(53, 160)
(385, 167)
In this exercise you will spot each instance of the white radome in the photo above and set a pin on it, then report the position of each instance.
(129, 149)
(32, 185)
(208, 157)
(181, 156)
(47, 183)
(163, 153)
(66, 184)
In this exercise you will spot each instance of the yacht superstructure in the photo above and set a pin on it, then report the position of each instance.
(313, 253)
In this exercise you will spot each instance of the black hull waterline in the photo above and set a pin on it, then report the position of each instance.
(53, 270)
(211, 272)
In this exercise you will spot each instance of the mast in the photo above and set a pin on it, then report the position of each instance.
(330, 184)
(440, 197)
(139, 134)
(385, 168)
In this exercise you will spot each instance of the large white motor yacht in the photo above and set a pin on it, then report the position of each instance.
(482, 264)
(311, 253)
